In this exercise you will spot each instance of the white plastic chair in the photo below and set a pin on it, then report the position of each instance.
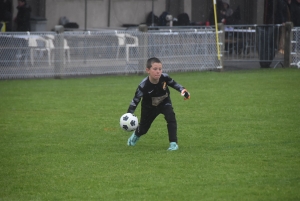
(35, 44)
(40, 45)
(50, 38)
(122, 42)
(67, 50)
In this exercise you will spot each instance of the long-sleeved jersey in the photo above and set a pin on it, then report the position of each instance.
(154, 94)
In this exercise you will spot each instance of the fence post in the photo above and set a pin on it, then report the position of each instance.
(59, 52)
(221, 28)
(287, 44)
(143, 44)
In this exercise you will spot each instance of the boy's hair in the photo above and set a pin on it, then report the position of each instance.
(151, 61)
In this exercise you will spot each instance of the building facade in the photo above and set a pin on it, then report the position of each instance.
(99, 14)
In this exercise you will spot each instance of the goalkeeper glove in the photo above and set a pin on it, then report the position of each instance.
(186, 94)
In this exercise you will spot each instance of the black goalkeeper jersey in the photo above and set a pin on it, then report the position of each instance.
(153, 95)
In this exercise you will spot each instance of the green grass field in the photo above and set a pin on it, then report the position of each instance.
(239, 139)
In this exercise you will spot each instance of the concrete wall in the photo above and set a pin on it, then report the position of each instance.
(188, 7)
(101, 13)
(112, 13)
(116, 13)
(74, 10)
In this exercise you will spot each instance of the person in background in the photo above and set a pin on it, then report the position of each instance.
(282, 15)
(295, 13)
(219, 7)
(6, 13)
(22, 19)
(2, 10)
(224, 12)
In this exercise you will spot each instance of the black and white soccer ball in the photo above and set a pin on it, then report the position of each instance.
(129, 122)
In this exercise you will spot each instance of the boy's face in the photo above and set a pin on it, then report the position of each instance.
(154, 72)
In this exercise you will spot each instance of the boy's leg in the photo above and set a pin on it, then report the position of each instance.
(147, 117)
(169, 114)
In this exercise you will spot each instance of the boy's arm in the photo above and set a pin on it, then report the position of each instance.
(172, 83)
(135, 101)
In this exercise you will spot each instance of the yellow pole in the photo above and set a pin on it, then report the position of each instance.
(216, 25)
(3, 26)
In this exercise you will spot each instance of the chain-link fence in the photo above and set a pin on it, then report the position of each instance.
(295, 54)
(27, 55)
(48, 54)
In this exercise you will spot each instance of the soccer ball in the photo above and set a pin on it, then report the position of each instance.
(298, 64)
(129, 122)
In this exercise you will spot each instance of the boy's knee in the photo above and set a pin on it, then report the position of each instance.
(170, 116)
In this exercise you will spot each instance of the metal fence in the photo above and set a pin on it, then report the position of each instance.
(27, 55)
(261, 44)
(79, 53)
(295, 43)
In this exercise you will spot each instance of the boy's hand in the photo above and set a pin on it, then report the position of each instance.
(186, 94)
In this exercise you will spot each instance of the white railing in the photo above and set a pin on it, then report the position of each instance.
(295, 44)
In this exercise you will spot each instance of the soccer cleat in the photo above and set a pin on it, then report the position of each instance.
(132, 139)
(173, 146)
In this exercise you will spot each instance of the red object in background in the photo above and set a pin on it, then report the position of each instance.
(207, 23)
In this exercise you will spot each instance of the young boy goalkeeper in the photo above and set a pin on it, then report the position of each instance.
(155, 95)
